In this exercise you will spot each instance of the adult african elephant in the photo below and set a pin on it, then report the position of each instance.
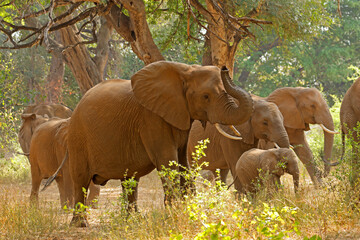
(51, 110)
(222, 152)
(254, 164)
(122, 128)
(301, 107)
(350, 119)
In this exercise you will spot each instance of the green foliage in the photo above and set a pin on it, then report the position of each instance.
(321, 61)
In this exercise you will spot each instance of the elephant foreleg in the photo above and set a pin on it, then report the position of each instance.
(306, 157)
(223, 175)
(130, 194)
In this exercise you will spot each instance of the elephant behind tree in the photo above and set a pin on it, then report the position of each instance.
(350, 119)
(265, 167)
(122, 129)
(301, 107)
(222, 153)
(47, 151)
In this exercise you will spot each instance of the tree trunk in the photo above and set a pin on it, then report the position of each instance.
(222, 53)
(55, 76)
(135, 30)
(78, 59)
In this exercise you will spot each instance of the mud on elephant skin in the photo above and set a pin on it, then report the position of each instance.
(350, 119)
(47, 151)
(301, 107)
(265, 167)
(222, 153)
(122, 129)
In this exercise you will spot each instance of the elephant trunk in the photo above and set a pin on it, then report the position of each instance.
(328, 144)
(235, 114)
(282, 140)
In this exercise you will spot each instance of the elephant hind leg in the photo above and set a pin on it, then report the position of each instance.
(93, 196)
(35, 185)
(130, 194)
(64, 200)
(79, 217)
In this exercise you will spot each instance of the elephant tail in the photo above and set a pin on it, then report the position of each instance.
(52, 178)
(25, 154)
(232, 183)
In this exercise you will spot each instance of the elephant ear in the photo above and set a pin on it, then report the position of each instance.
(286, 101)
(247, 132)
(159, 87)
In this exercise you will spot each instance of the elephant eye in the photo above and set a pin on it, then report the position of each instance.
(312, 106)
(265, 123)
(206, 97)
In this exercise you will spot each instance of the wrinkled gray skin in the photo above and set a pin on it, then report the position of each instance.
(222, 153)
(255, 164)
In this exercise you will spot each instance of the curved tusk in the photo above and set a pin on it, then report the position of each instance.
(276, 146)
(235, 130)
(327, 130)
(226, 134)
(291, 147)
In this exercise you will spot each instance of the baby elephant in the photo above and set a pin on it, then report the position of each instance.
(265, 167)
(47, 151)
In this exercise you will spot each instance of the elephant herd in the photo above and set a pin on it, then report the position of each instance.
(124, 129)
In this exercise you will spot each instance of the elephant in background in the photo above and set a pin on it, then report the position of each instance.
(350, 119)
(33, 116)
(30, 121)
(301, 107)
(265, 167)
(222, 153)
(51, 110)
(122, 129)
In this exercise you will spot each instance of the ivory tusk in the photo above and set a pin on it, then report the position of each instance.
(226, 134)
(276, 146)
(235, 130)
(327, 130)
(291, 147)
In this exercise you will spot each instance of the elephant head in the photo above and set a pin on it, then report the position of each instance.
(180, 93)
(283, 160)
(303, 106)
(30, 121)
(266, 123)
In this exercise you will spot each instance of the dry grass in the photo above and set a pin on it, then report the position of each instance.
(326, 212)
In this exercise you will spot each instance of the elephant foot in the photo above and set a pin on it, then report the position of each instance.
(79, 221)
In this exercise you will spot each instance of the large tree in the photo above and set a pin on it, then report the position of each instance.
(219, 25)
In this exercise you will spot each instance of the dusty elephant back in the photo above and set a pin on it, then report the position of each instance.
(51, 110)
